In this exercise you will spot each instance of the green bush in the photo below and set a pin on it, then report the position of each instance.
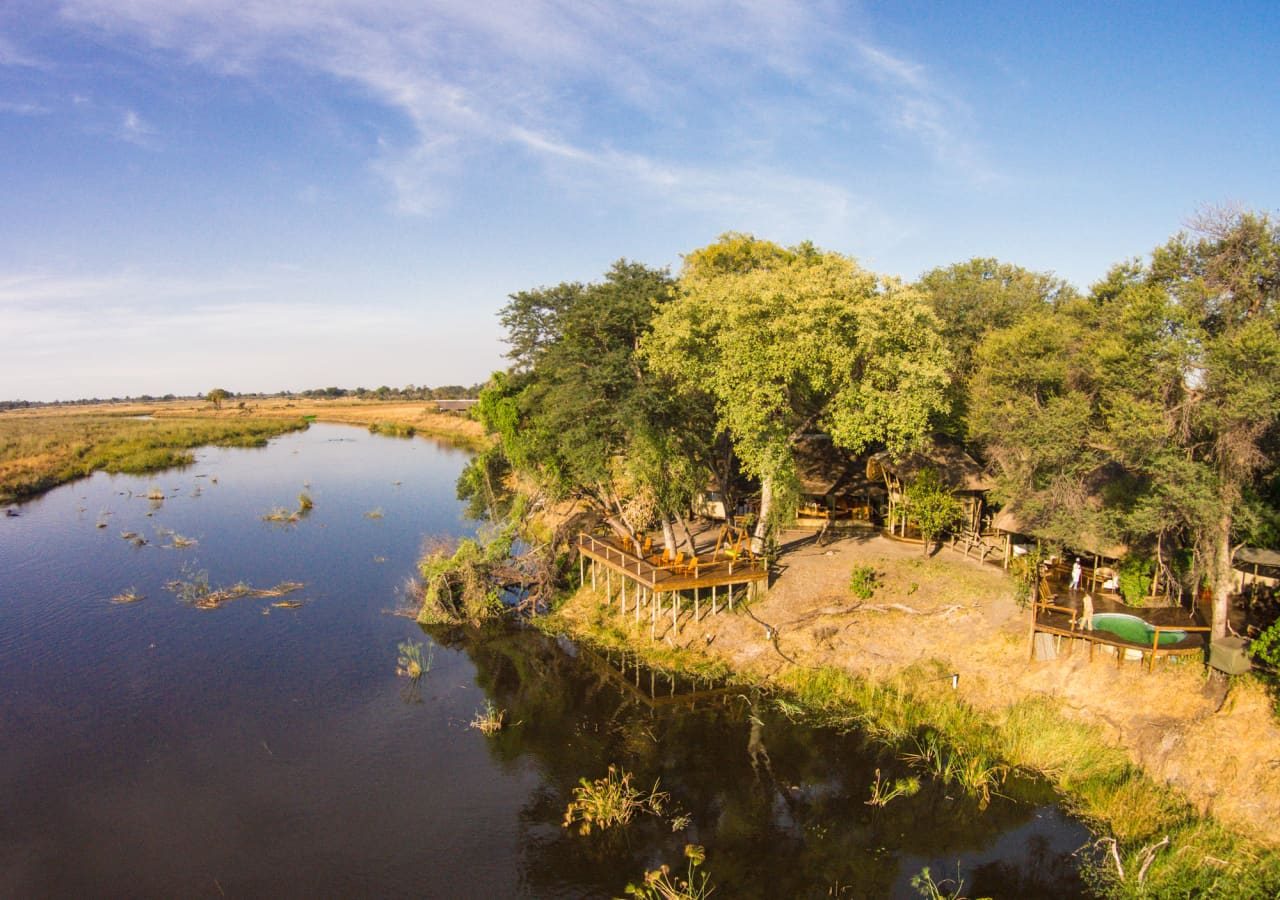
(1135, 579)
(862, 582)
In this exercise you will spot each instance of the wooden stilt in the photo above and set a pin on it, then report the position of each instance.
(714, 611)
(582, 569)
(654, 604)
(675, 612)
(593, 577)
(695, 604)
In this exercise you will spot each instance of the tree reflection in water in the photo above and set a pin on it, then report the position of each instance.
(785, 818)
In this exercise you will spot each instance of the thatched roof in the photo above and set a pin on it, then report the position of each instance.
(958, 470)
(824, 469)
(1085, 541)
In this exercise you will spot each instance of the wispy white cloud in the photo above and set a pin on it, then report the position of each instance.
(13, 55)
(584, 90)
(23, 109)
(134, 130)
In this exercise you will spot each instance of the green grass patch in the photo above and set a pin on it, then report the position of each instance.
(41, 452)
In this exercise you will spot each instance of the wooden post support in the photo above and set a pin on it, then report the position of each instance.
(695, 604)
(675, 612)
(594, 589)
(639, 597)
(624, 579)
(653, 613)
(714, 611)
(582, 568)
(608, 585)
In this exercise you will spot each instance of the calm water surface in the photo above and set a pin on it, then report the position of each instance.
(153, 749)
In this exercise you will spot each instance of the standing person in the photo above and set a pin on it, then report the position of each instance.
(1076, 571)
(1086, 613)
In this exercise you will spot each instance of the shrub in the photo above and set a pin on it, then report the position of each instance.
(862, 582)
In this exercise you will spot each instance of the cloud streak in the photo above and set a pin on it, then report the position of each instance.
(586, 92)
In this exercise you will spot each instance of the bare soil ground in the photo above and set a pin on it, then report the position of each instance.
(1219, 746)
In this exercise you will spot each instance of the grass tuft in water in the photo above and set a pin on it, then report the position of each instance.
(128, 595)
(611, 802)
(661, 884)
(883, 791)
(489, 719)
(411, 663)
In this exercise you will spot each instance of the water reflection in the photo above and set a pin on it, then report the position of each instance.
(780, 808)
(154, 749)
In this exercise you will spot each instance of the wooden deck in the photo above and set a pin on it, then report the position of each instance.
(660, 588)
(1060, 614)
(700, 572)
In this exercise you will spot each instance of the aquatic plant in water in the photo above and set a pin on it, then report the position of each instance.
(946, 889)
(411, 663)
(489, 719)
(883, 791)
(661, 884)
(611, 801)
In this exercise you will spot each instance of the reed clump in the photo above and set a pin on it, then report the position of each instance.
(489, 719)
(393, 429)
(411, 662)
(611, 802)
(662, 884)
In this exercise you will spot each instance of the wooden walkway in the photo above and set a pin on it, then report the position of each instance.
(654, 585)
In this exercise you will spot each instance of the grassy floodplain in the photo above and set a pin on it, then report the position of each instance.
(45, 447)
(1131, 814)
(42, 449)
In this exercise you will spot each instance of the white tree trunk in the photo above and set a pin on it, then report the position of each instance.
(766, 511)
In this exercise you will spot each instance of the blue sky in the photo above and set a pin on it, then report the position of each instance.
(265, 195)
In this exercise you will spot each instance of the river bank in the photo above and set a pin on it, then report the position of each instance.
(44, 447)
(942, 645)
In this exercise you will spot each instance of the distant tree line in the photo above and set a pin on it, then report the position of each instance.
(1144, 412)
(408, 392)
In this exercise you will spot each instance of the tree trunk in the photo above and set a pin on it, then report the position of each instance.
(1220, 576)
(766, 510)
(668, 536)
(688, 535)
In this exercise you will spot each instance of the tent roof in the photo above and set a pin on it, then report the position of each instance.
(1256, 556)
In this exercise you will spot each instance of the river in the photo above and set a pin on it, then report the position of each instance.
(155, 749)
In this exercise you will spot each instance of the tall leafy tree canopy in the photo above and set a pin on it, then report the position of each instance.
(1148, 412)
(792, 340)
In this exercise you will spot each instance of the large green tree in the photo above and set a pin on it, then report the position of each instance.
(791, 340)
(1148, 412)
(581, 413)
(971, 299)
